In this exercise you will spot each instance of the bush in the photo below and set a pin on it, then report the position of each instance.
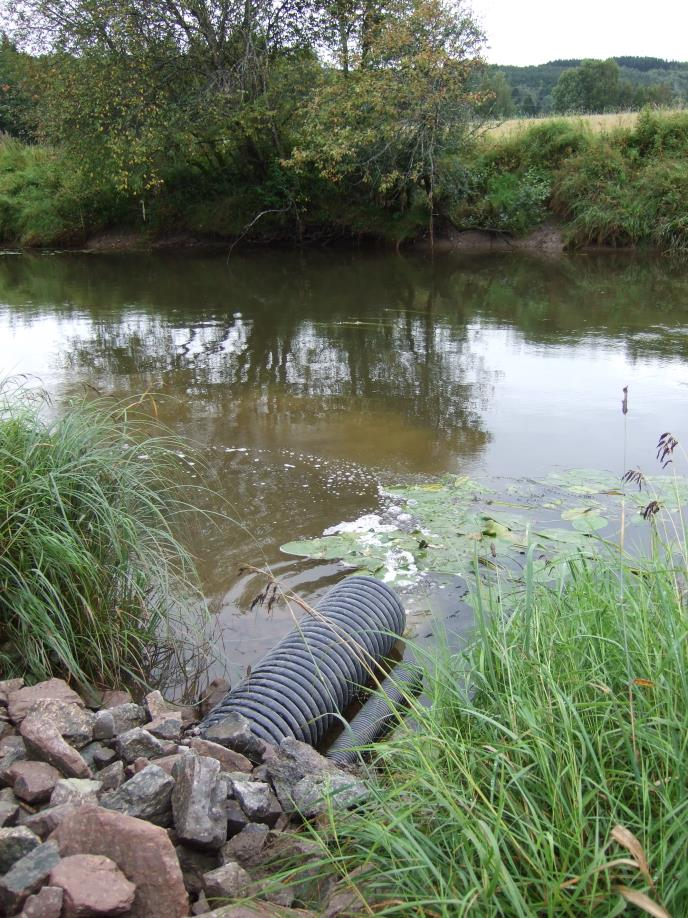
(45, 200)
(506, 202)
(91, 575)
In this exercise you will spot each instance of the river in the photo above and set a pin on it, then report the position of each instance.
(308, 380)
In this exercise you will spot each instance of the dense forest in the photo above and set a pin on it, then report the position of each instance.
(563, 86)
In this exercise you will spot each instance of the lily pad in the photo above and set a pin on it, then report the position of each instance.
(455, 525)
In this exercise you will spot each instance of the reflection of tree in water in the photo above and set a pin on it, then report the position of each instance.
(171, 324)
(338, 338)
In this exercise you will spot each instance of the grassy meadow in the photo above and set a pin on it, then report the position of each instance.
(598, 124)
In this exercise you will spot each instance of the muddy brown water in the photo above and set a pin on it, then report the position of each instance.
(310, 380)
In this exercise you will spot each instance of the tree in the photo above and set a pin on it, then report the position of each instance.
(592, 88)
(130, 84)
(17, 115)
(498, 99)
(388, 120)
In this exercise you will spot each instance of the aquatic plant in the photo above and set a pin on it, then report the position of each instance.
(94, 583)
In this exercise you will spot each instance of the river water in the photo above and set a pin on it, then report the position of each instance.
(310, 380)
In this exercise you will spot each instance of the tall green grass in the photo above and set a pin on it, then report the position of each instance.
(93, 581)
(560, 787)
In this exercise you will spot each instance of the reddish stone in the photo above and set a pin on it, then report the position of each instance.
(228, 759)
(142, 851)
(20, 702)
(113, 699)
(93, 885)
(33, 781)
(45, 904)
(7, 686)
(74, 723)
(43, 739)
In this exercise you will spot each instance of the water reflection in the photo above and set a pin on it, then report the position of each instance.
(310, 379)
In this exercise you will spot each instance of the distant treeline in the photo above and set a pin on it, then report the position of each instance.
(562, 86)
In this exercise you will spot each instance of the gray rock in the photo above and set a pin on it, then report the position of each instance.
(257, 801)
(126, 717)
(146, 796)
(9, 744)
(236, 818)
(198, 802)
(77, 791)
(46, 821)
(317, 794)
(94, 749)
(200, 906)
(8, 813)
(195, 864)
(137, 742)
(307, 783)
(112, 776)
(103, 725)
(234, 732)
(27, 876)
(103, 757)
(167, 726)
(14, 844)
(246, 845)
(227, 882)
(44, 904)
(73, 722)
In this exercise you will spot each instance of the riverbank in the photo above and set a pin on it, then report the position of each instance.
(120, 808)
(626, 187)
(544, 772)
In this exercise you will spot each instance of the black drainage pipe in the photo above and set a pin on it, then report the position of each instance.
(336, 649)
(379, 714)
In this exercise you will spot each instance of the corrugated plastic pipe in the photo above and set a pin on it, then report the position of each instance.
(379, 714)
(306, 682)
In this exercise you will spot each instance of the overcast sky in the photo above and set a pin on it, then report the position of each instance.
(536, 31)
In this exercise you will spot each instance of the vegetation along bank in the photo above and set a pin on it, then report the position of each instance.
(317, 123)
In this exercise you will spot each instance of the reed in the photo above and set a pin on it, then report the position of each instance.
(94, 583)
(556, 785)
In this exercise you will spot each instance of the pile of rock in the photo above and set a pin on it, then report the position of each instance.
(127, 810)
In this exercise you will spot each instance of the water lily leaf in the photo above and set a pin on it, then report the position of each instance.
(589, 522)
(452, 524)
